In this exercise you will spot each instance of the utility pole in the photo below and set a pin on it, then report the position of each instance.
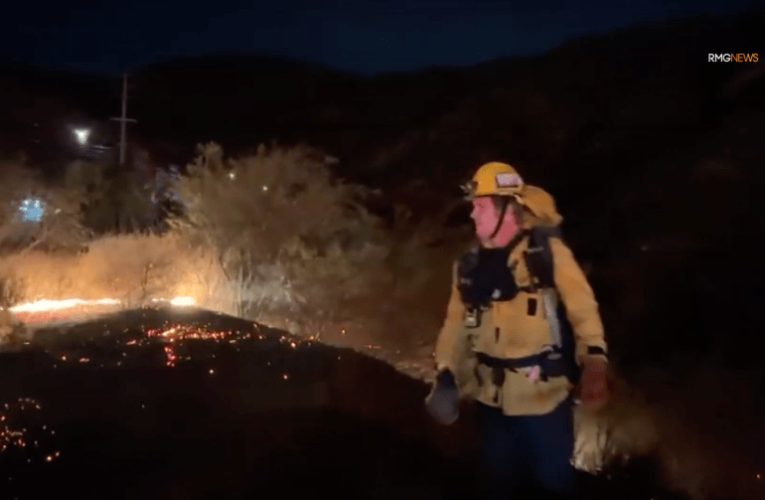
(123, 120)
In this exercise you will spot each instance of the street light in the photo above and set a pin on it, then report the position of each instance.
(82, 135)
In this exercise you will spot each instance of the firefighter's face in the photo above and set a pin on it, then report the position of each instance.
(485, 216)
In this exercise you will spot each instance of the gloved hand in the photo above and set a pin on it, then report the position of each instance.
(443, 401)
(594, 383)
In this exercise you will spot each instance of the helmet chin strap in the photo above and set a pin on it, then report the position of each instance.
(502, 212)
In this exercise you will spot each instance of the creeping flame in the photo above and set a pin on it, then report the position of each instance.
(54, 305)
(183, 301)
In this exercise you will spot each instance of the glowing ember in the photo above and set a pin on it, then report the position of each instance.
(169, 333)
(183, 332)
(170, 354)
(16, 437)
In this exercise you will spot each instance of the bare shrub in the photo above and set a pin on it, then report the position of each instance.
(11, 293)
(288, 236)
(300, 250)
(11, 289)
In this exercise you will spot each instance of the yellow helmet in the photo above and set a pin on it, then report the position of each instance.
(500, 179)
(494, 179)
(540, 204)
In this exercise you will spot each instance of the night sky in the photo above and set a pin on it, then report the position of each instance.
(363, 36)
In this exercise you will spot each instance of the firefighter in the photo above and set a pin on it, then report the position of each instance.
(522, 330)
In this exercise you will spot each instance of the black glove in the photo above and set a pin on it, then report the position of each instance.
(443, 401)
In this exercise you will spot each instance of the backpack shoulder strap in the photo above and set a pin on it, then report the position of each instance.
(467, 261)
(539, 255)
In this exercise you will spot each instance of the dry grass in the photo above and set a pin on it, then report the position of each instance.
(702, 423)
(129, 268)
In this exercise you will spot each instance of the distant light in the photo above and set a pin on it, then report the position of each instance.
(32, 209)
(265, 188)
(183, 301)
(82, 135)
(231, 175)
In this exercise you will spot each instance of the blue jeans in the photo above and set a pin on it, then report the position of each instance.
(526, 456)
